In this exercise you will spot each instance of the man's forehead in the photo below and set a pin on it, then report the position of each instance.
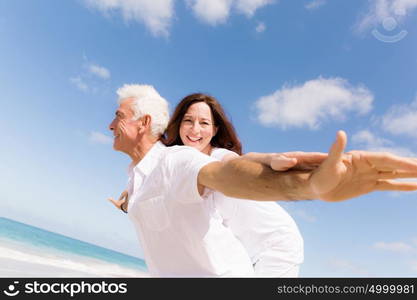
(125, 105)
(126, 102)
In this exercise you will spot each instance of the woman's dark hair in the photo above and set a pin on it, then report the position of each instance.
(225, 137)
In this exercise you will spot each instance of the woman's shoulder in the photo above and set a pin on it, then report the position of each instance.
(185, 155)
(220, 153)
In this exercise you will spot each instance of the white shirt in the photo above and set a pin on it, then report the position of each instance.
(181, 233)
(260, 225)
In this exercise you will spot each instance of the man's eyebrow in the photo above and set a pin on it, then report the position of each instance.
(118, 112)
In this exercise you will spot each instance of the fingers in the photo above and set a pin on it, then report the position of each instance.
(117, 203)
(307, 157)
(392, 185)
(396, 175)
(388, 161)
(305, 167)
(113, 201)
(282, 163)
(297, 160)
(336, 151)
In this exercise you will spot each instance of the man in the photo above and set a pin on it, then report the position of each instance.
(178, 231)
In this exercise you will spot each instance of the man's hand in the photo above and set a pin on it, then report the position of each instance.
(346, 175)
(122, 202)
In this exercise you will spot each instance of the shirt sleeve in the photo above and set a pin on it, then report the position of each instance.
(185, 164)
(220, 153)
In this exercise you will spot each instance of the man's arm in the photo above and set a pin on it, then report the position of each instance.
(247, 179)
(265, 164)
(341, 176)
(301, 161)
(296, 161)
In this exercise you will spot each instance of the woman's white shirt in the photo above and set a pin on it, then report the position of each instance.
(260, 225)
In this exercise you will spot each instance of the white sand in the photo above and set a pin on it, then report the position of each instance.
(17, 262)
(15, 268)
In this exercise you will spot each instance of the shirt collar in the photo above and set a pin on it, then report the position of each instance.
(148, 163)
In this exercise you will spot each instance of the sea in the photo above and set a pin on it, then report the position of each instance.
(28, 251)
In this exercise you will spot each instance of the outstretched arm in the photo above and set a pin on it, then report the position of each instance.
(248, 179)
(302, 161)
(341, 176)
(346, 175)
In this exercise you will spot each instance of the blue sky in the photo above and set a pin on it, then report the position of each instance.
(289, 74)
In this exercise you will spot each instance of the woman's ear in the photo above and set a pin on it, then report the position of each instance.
(216, 128)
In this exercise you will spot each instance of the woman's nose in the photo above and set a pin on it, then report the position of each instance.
(196, 127)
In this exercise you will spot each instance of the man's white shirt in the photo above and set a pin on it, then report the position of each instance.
(181, 233)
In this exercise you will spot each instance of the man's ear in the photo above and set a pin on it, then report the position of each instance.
(144, 122)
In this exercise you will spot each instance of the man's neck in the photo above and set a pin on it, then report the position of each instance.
(141, 150)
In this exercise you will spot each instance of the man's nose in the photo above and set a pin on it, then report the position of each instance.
(111, 125)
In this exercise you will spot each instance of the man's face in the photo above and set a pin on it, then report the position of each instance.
(125, 129)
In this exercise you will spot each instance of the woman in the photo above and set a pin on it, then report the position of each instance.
(267, 232)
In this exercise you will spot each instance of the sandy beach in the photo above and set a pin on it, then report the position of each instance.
(15, 262)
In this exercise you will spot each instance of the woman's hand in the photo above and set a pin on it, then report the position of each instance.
(301, 161)
(347, 175)
(122, 202)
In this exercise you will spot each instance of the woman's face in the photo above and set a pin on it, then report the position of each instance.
(197, 128)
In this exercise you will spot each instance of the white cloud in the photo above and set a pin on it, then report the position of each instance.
(79, 83)
(260, 27)
(100, 138)
(212, 12)
(249, 7)
(216, 12)
(366, 140)
(401, 119)
(86, 80)
(315, 4)
(155, 14)
(398, 247)
(369, 139)
(380, 10)
(312, 103)
(99, 71)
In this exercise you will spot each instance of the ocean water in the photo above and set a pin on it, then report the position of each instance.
(31, 251)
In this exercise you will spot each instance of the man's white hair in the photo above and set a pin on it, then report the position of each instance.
(147, 102)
